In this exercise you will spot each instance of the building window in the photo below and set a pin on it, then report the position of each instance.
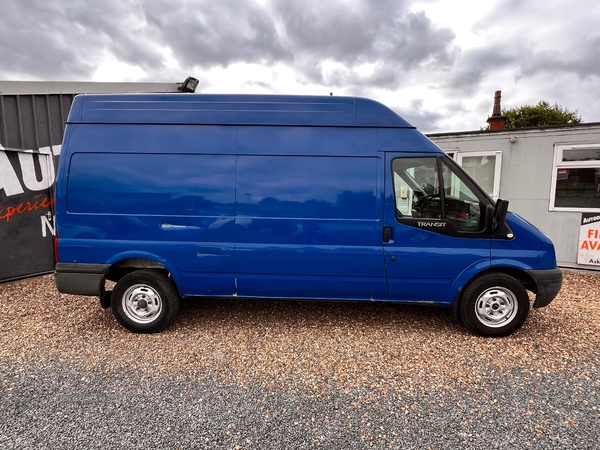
(484, 167)
(576, 178)
(451, 153)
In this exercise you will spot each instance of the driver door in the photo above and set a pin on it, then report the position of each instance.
(436, 225)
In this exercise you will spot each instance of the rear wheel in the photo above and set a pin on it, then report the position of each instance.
(145, 301)
(494, 304)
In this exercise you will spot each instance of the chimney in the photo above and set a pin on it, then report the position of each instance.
(497, 120)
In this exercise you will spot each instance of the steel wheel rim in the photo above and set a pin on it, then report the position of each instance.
(141, 303)
(496, 307)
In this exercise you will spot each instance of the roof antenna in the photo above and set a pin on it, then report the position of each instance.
(331, 94)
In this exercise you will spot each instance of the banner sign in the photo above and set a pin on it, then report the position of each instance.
(26, 211)
(589, 240)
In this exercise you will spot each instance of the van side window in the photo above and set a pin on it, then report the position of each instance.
(417, 188)
(420, 192)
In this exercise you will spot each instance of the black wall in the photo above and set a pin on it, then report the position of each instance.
(31, 131)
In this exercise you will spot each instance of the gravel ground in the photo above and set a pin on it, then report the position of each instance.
(272, 374)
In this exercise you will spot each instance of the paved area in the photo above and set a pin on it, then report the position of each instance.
(261, 374)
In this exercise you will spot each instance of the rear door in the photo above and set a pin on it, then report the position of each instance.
(436, 226)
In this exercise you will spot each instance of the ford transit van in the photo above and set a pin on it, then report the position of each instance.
(325, 198)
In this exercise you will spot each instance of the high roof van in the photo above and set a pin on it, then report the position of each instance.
(293, 197)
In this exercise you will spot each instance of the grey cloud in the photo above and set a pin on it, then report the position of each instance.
(364, 33)
(303, 34)
(328, 29)
(128, 38)
(477, 64)
(312, 70)
(260, 84)
(585, 58)
(466, 80)
(68, 39)
(383, 33)
(415, 40)
(582, 59)
(207, 33)
(383, 76)
(425, 121)
(32, 43)
(535, 34)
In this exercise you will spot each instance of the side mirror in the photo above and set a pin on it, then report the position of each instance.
(500, 213)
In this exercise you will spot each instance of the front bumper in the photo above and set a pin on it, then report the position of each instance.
(80, 279)
(548, 283)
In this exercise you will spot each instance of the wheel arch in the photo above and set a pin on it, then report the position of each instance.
(124, 264)
(461, 282)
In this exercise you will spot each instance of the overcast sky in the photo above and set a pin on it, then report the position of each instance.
(435, 62)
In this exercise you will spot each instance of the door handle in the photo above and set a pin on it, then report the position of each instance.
(387, 234)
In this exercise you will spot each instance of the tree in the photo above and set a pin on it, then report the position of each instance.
(542, 114)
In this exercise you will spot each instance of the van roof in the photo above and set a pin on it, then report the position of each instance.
(218, 109)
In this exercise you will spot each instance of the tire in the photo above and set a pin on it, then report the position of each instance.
(494, 304)
(145, 301)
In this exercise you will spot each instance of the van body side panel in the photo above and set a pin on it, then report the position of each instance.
(125, 198)
(530, 249)
(341, 142)
(463, 278)
(405, 140)
(426, 263)
(532, 252)
(309, 223)
(148, 138)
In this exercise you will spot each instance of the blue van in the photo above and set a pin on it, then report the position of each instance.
(334, 198)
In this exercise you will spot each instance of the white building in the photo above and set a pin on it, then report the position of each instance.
(550, 175)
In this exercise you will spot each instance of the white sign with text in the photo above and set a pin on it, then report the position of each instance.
(589, 240)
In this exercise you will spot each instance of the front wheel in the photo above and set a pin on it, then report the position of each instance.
(494, 304)
(145, 301)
